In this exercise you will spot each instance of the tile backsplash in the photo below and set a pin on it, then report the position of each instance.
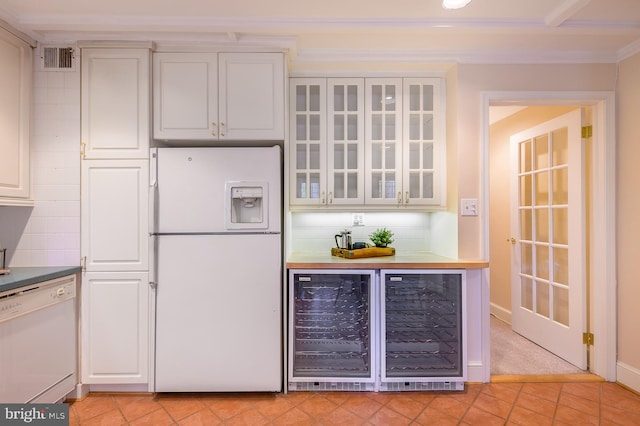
(49, 233)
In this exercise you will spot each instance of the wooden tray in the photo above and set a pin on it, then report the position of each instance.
(364, 252)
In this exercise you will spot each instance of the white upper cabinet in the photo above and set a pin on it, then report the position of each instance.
(218, 96)
(16, 62)
(115, 103)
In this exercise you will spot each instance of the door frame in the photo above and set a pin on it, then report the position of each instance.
(602, 302)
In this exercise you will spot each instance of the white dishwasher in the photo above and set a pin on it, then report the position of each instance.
(38, 342)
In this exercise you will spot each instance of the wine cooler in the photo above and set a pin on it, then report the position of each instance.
(369, 330)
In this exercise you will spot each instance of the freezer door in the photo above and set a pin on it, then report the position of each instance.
(193, 192)
(219, 314)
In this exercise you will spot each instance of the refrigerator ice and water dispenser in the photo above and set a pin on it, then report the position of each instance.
(247, 205)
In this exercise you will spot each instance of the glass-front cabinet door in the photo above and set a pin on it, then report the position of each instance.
(383, 141)
(423, 134)
(308, 141)
(345, 134)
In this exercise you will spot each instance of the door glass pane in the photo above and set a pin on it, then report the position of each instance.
(314, 156)
(542, 225)
(301, 127)
(526, 259)
(352, 127)
(542, 261)
(560, 147)
(301, 156)
(560, 182)
(526, 293)
(427, 97)
(390, 156)
(376, 127)
(414, 97)
(427, 155)
(376, 155)
(376, 185)
(314, 183)
(542, 188)
(561, 305)
(525, 157)
(376, 97)
(526, 225)
(414, 155)
(352, 185)
(352, 156)
(338, 98)
(525, 190)
(338, 127)
(561, 265)
(338, 156)
(427, 185)
(390, 127)
(542, 298)
(427, 127)
(338, 185)
(352, 98)
(390, 185)
(301, 98)
(561, 225)
(314, 127)
(414, 127)
(541, 147)
(314, 98)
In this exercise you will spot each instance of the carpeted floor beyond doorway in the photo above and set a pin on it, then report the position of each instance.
(513, 354)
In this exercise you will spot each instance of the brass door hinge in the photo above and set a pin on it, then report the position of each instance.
(587, 131)
(587, 339)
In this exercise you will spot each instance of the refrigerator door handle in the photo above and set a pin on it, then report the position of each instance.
(153, 255)
(153, 167)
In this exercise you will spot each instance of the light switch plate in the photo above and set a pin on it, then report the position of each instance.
(469, 207)
(358, 219)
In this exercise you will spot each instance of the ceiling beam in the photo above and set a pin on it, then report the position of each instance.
(564, 11)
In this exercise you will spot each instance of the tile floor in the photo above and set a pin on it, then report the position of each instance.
(480, 404)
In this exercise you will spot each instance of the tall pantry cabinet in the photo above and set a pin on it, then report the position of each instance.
(115, 92)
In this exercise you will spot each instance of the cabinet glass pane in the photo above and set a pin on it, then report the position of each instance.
(338, 127)
(314, 156)
(301, 98)
(427, 97)
(376, 185)
(352, 127)
(427, 127)
(414, 127)
(561, 305)
(561, 265)
(301, 127)
(314, 127)
(376, 97)
(526, 224)
(301, 156)
(422, 325)
(390, 156)
(414, 97)
(542, 188)
(414, 155)
(390, 127)
(338, 98)
(560, 182)
(427, 155)
(526, 293)
(561, 225)
(338, 185)
(427, 185)
(301, 185)
(352, 185)
(352, 98)
(542, 225)
(526, 259)
(314, 98)
(414, 184)
(376, 155)
(541, 147)
(542, 262)
(314, 183)
(352, 156)
(525, 157)
(331, 318)
(390, 185)
(560, 147)
(542, 298)
(338, 156)
(376, 127)
(390, 98)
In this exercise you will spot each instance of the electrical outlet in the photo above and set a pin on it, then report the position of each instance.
(358, 219)
(469, 207)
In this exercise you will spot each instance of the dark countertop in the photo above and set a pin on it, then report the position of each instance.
(23, 276)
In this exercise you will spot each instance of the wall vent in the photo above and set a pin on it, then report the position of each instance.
(57, 58)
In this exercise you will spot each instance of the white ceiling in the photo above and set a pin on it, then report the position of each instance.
(486, 31)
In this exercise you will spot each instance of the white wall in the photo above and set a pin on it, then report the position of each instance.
(51, 234)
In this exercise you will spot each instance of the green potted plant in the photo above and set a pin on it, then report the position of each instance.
(381, 237)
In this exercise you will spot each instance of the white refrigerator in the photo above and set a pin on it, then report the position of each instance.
(218, 269)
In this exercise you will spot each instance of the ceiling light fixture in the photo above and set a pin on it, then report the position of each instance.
(454, 4)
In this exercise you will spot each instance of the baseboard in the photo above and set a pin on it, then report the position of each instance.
(475, 372)
(79, 392)
(500, 312)
(628, 376)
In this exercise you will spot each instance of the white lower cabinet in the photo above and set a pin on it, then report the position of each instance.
(115, 328)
